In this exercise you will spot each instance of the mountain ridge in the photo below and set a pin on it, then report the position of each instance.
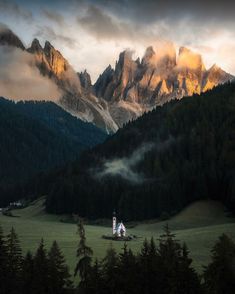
(125, 92)
(155, 80)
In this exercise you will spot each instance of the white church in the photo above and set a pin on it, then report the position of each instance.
(118, 228)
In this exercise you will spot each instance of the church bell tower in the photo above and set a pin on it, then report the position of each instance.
(114, 223)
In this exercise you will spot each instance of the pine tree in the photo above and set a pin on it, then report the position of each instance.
(145, 248)
(41, 270)
(219, 275)
(148, 267)
(59, 277)
(127, 272)
(110, 270)
(14, 262)
(177, 275)
(27, 274)
(96, 284)
(3, 263)
(189, 280)
(84, 255)
(152, 248)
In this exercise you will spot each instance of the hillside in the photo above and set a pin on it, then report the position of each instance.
(178, 153)
(39, 136)
(153, 167)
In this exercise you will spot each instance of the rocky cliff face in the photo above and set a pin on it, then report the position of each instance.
(85, 80)
(51, 63)
(134, 87)
(77, 95)
(76, 90)
(8, 38)
(131, 88)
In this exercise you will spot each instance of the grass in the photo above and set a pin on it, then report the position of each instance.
(199, 225)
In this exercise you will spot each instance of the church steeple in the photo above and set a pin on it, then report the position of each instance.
(114, 223)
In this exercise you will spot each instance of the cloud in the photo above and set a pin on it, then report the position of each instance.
(125, 167)
(107, 26)
(50, 34)
(54, 16)
(96, 31)
(189, 59)
(102, 25)
(12, 8)
(149, 11)
(21, 80)
(3, 27)
(183, 22)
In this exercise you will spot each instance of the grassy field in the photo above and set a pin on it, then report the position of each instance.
(199, 225)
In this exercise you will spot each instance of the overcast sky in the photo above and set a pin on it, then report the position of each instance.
(92, 33)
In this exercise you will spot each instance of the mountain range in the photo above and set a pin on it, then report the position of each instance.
(125, 92)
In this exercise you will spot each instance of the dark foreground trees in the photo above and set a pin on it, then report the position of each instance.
(220, 273)
(162, 267)
(41, 273)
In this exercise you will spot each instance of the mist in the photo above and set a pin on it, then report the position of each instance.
(125, 167)
(21, 80)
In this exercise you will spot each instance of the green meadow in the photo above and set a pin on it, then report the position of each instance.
(199, 225)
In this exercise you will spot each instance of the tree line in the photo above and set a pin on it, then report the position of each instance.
(161, 268)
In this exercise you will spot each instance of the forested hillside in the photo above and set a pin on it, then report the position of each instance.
(174, 155)
(178, 153)
(38, 136)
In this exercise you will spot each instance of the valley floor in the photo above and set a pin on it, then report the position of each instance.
(199, 225)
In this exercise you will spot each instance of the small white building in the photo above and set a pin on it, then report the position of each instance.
(118, 229)
(121, 230)
(17, 204)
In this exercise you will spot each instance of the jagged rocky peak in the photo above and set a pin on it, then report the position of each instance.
(8, 38)
(125, 61)
(85, 79)
(161, 58)
(106, 75)
(125, 56)
(216, 72)
(214, 76)
(137, 61)
(108, 69)
(183, 50)
(148, 56)
(105, 83)
(215, 68)
(126, 68)
(48, 47)
(55, 59)
(190, 60)
(51, 63)
(35, 47)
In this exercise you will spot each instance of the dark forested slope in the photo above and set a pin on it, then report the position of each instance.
(168, 158)
(174, 155)
(38, 136)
